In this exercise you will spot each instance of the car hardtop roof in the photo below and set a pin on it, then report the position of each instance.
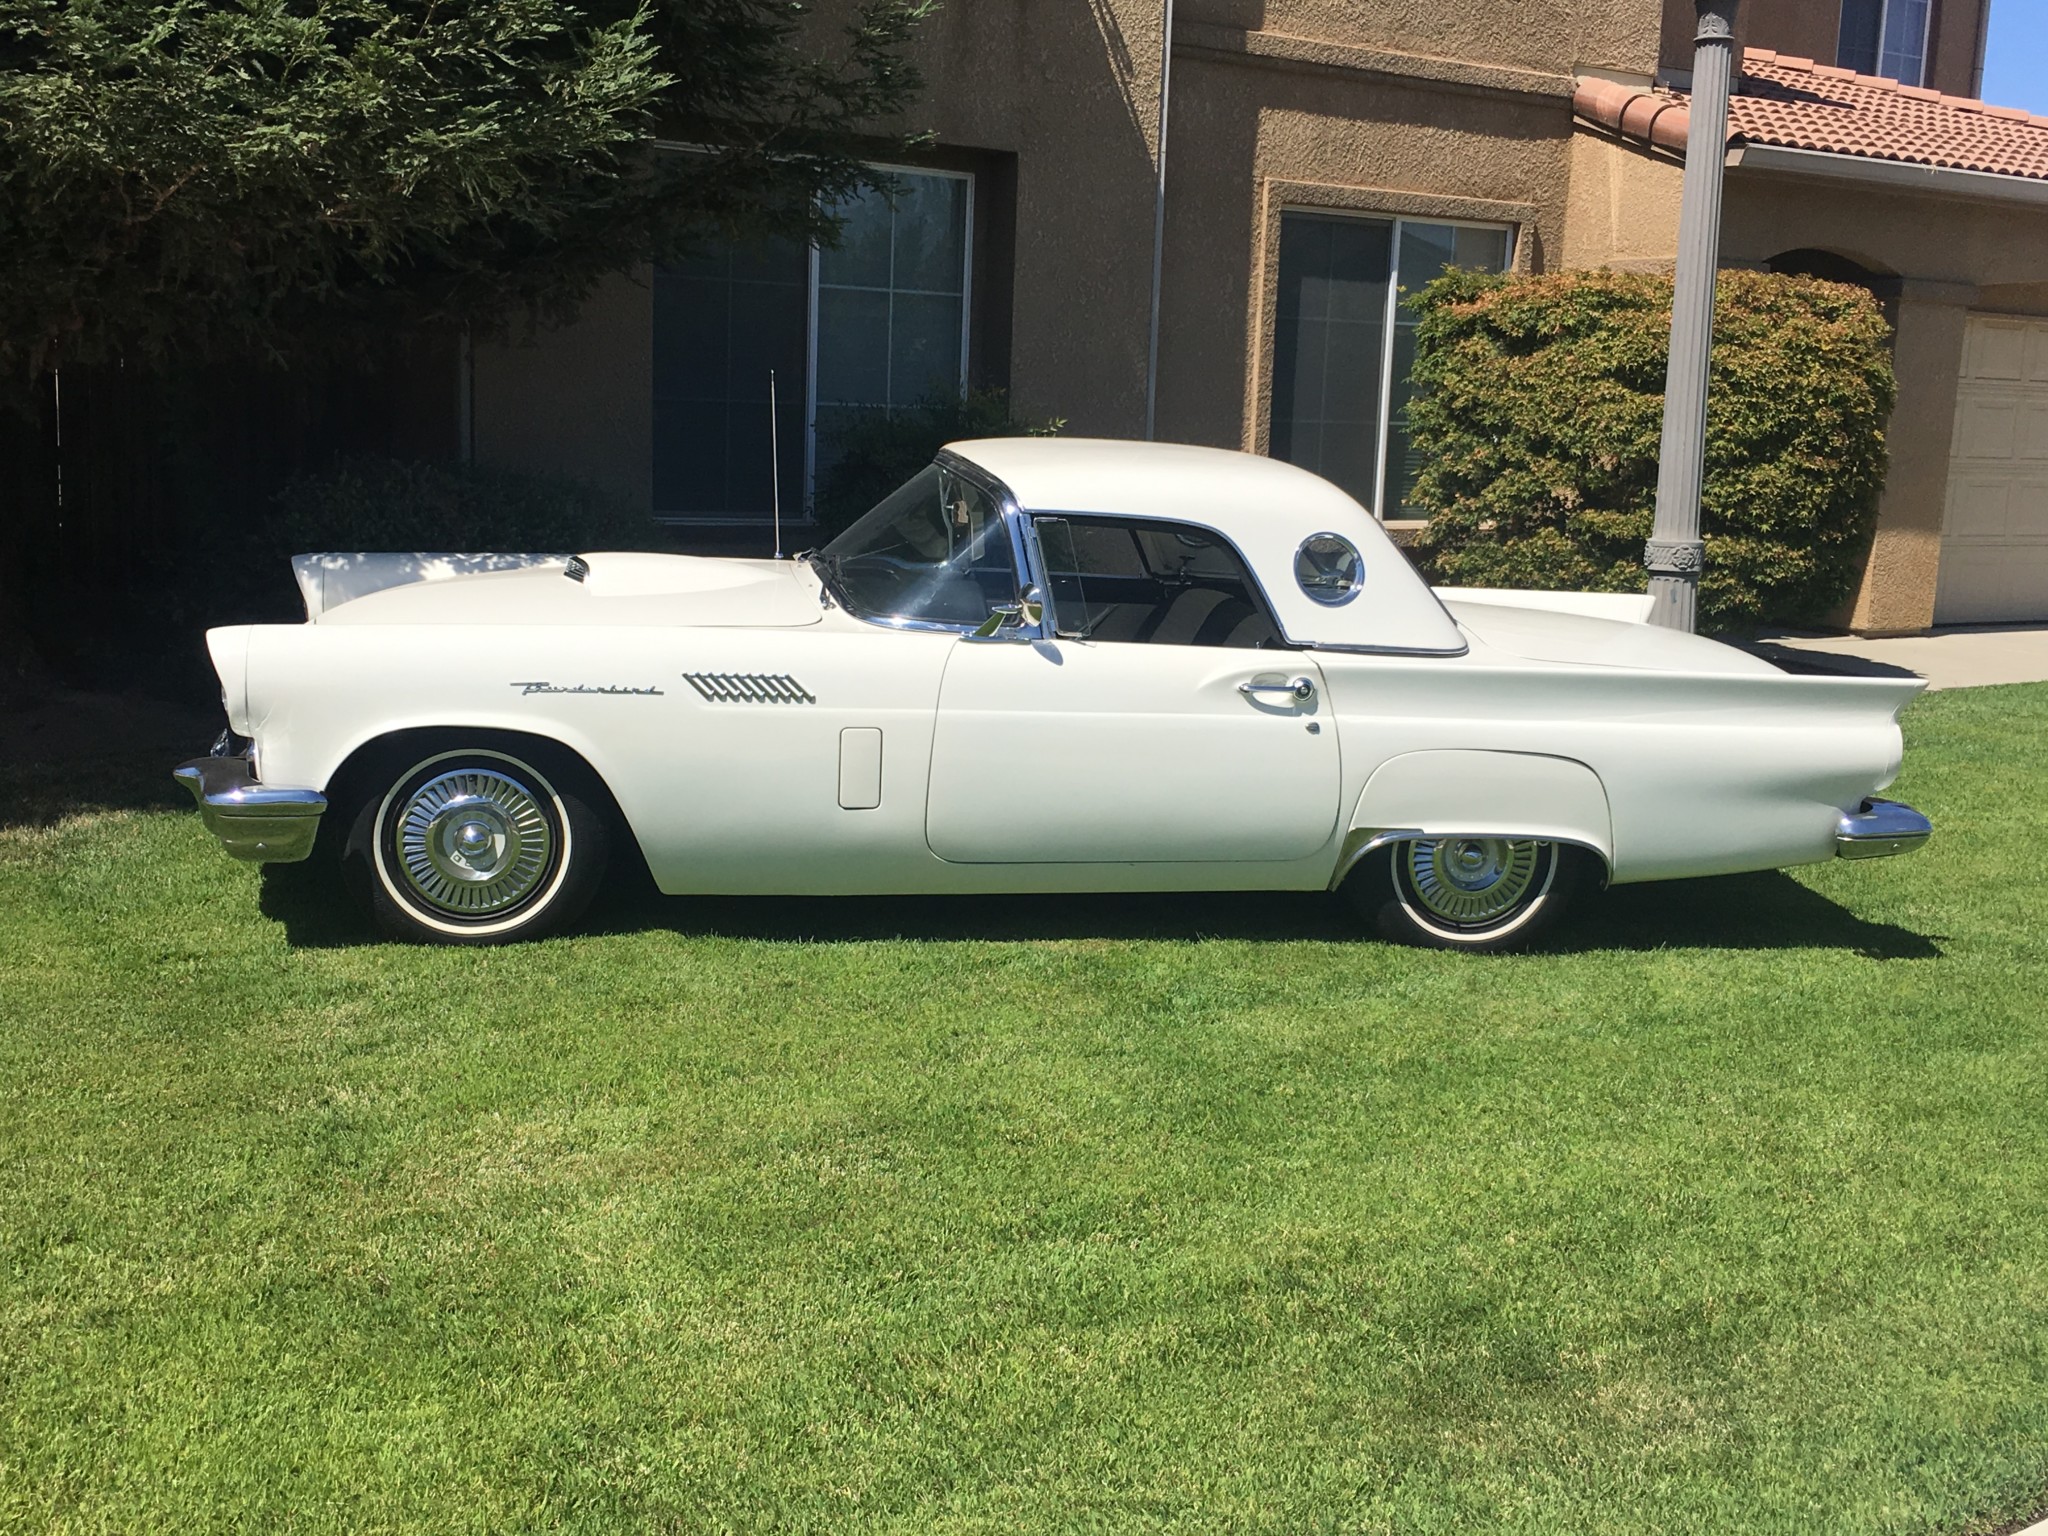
(1263, 506)
(1179, 481)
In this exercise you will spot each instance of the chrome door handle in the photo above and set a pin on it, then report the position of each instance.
(1301, 689)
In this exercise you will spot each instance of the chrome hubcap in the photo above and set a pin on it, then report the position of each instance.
(473, 842)
(1469, 880)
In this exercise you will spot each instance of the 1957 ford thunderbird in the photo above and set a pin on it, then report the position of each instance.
(1041, 665)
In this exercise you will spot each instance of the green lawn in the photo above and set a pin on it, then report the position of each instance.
(1728, 1213)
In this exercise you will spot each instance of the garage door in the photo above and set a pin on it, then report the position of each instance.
(1994, 529)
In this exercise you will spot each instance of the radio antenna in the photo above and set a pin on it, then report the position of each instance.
(774, 465)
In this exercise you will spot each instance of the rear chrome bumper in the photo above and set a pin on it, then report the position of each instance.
(258, 822)
(1879, 830)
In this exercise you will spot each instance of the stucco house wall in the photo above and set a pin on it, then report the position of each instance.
(1449, 111)
(1459, 112)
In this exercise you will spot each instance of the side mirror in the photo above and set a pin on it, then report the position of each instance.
(1029, 610)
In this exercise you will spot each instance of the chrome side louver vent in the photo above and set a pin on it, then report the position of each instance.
(749, 687)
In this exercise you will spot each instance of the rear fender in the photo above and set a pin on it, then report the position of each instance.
(1469, 793)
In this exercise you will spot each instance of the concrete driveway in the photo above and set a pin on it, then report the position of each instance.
(1964, 657)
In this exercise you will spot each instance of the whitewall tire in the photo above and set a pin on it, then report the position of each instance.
(476, 845)
(1485, 894)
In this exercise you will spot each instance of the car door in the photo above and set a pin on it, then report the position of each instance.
(1160, 720)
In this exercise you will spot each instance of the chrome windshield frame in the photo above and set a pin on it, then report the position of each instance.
(1027, 567)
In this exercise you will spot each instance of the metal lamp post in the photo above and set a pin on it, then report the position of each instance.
(1675, 553)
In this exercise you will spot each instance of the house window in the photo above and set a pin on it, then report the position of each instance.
(1344, 344)
(1885, 37)
(876, 323)
(722, 322)
(891, 306)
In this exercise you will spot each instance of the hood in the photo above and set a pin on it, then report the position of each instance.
(604, 588)
(1577, 639)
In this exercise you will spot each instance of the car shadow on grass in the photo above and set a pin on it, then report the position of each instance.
(1769, 910)
(1752, 912)
(76, 754)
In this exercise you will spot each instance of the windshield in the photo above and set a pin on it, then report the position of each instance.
(934, 551)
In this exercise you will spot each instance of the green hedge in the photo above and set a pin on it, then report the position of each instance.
(370, 503)
(1539, 403)
(402, 504)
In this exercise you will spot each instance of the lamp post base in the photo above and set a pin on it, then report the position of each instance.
(1674, 601)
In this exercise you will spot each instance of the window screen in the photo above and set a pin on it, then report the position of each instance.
(1150, 583)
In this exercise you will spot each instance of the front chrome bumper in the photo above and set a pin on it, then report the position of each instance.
(1880, 829)
(257, 822)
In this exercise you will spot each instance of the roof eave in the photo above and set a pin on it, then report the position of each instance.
(1897, 175)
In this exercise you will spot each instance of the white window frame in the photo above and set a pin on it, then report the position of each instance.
(1399, 221)
(810, 488)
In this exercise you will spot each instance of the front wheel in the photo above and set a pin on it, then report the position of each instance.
(1473, 893)
(477, 846)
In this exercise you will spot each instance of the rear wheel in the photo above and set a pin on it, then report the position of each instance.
(1473, 893)
(478, 846)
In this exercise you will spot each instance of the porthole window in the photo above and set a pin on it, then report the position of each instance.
(1329, 568)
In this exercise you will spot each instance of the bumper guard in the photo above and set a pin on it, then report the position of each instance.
(258, 822)
(1879, 830)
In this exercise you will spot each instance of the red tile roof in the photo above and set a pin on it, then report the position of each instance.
(1795, 103)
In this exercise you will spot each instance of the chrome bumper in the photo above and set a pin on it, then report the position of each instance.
(253, 821)
(1879, 830)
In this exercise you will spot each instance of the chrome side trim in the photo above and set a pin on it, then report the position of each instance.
(1360, 842)
(1880, 829)
(749, 688)
(1391, 650)
(262, 823)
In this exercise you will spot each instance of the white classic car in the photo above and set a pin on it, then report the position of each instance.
(1041, 665)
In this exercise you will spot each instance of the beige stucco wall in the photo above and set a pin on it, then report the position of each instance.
(1896, 595)
(1252, 138)
(1471, 106)
(1622, 210)
(1073, 91)
(1958, 28)
(1952, 257)
(1610, 34)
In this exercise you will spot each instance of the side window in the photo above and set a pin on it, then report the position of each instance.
(1149, 583)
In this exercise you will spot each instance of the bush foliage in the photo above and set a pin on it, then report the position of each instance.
(882, 449)
(371, 503)
(142, 625)
(1539, 404)
(186, 176)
